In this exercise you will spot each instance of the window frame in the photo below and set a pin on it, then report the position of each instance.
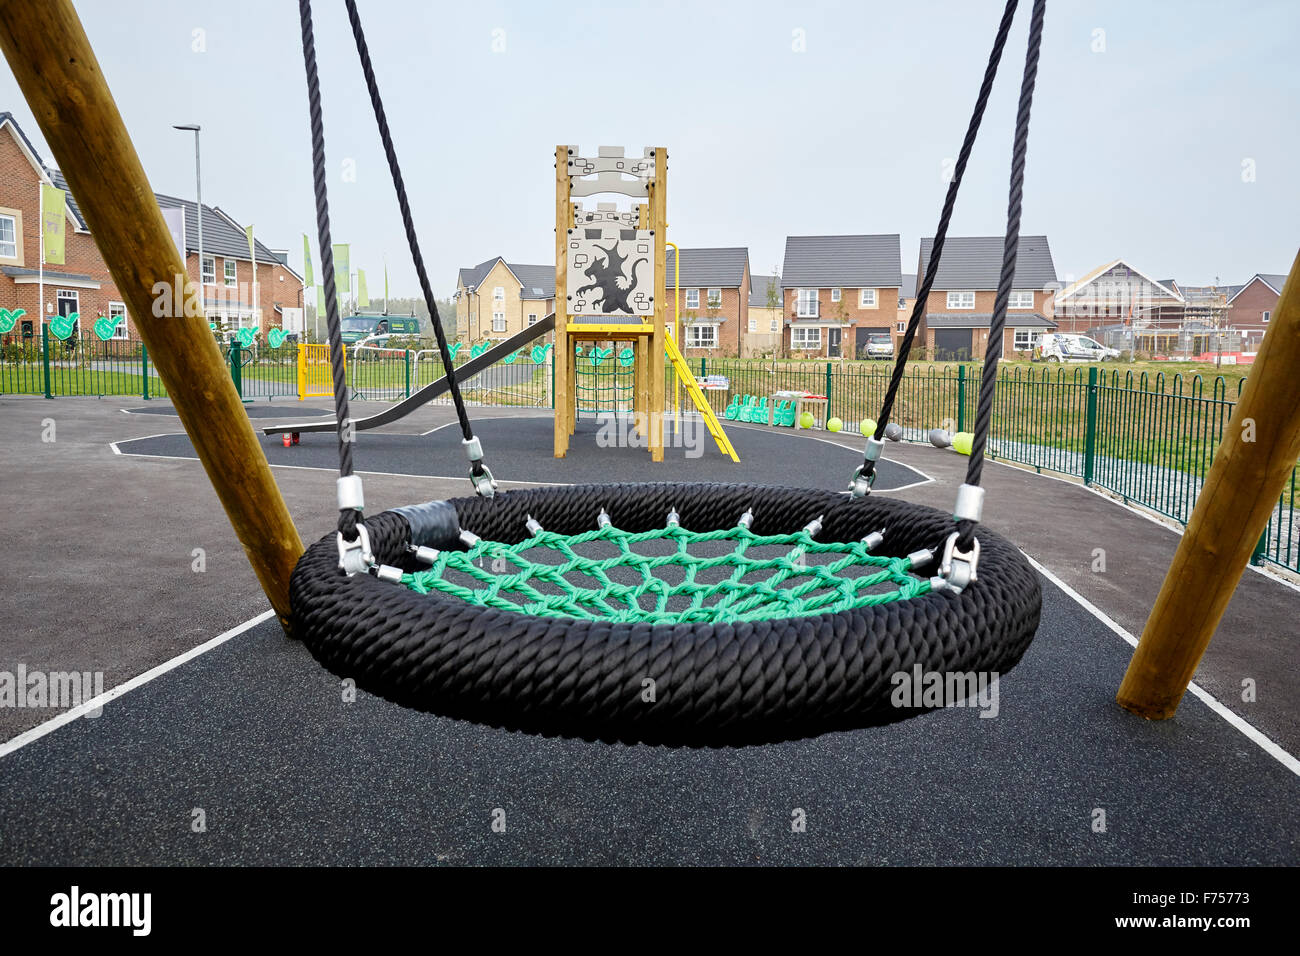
(1011, 303)
(692, 298)
(713, 298)
(1265, 315)
(753, 326)
(16, 240)
(498, 293)
(776, 326)
(800, 341)
(231, 282)
(498, 322)
(959, 306)
(693, 335)
(203, 275)
(532, 318)
(837, 294)
(799, 302)
(120, 327)
(1015, 339)
(862, 299)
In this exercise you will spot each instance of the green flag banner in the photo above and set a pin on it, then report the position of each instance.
(320, 301)
(52, 203)
(385, 285)
(342, 267)
(363, 299)
(252, 250)
(306, 262)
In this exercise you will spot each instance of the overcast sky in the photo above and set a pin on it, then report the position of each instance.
(1163, 132)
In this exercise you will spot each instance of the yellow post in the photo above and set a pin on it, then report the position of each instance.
(1250, 470)
(564, 396)
(677, 330)
(302, 370)
(56, 69)
(658, 222)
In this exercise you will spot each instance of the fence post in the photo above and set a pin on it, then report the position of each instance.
(236, 368)
(703, 368)
(45, 356)
(961, 398)
(1261, 548)
(144, 371)
(1090, 433)
(829, 366)
(406, 357)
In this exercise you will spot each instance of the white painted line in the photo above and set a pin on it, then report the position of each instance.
(1269, 746)
(68, 716)
(438, 428)
(925, 479)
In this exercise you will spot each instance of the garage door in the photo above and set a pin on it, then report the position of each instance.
(953, 345)
(863, 333)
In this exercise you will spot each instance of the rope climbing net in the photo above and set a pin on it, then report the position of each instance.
(611, 575)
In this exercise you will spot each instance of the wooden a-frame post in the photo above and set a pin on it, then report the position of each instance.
(60, 77)
(1250, 470)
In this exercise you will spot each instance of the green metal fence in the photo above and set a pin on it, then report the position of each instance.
(1148, 439)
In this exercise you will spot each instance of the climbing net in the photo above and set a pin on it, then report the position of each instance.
(616, 576)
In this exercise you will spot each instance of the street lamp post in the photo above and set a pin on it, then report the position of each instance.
(198, 189)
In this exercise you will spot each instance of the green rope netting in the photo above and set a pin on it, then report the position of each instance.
(806, 577)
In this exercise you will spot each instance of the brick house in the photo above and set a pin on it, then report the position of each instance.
(712, 300)
(1250, 306)
(762, 335)
(838, 290)
(959, 308)
(82, 284)
(495, 299)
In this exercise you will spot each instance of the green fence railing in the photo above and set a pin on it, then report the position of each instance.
(1149, 439)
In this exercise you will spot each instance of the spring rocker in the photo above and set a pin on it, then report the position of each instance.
(758, 614)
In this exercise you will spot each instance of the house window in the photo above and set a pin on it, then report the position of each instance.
(231, 277)
(208, 272)
(1266, 316)
(776, 325)
(1024, 340)
(8, 237)
(961, 300)
(692, 298)
(835, 295)
(117, 313)
(715, 298)
(753, 325)
(867, 299)
(806, 304)
(1022, 299)
(498, 321)
(902, 327)
(499, 294)
(805, 337)
(532, 318)
(700, 336)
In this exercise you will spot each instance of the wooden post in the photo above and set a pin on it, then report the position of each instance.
(57, 71)
(659, 222)
(564, 396)
(1250, 469)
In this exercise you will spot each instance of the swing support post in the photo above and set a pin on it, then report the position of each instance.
(1250, 470)
(56, 69)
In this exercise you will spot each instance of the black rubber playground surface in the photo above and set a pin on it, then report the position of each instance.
(258, 736)
(520, 449)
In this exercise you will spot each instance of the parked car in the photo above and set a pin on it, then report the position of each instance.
(358, 327)
(1062, 347)
(880, 345)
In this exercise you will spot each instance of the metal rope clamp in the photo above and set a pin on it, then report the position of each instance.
(354, 556)
(861, 484)
(958, 569)
(485, 486)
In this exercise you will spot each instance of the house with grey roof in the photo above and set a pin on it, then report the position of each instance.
(82, 284)
(839, 290)
(1251, 306)
(959, 308)
(495, 299)
(711, 289)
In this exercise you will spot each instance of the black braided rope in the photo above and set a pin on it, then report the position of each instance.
(713, 684)
(408, 223)
(347, 516)
(941, 233)
(1010, 249)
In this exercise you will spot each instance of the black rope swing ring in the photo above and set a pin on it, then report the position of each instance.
(795, 624)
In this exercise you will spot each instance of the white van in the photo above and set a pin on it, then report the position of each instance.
(1063, 347)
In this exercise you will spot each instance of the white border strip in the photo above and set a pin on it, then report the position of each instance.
(68, 716)
(1270, 747)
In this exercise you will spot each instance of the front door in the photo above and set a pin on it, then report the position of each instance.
(833, 343)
